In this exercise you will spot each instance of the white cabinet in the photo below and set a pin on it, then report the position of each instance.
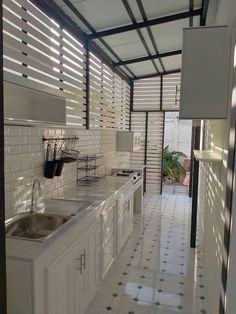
(59, 286)
(125, 221)
(74, 277)
(63, 277)
(205, 73)
(108, 237)
(128, 141)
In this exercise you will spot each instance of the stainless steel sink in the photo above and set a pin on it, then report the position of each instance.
(35, 226)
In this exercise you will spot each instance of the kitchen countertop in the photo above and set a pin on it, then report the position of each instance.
(100, 194)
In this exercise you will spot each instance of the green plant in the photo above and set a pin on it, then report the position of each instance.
(172, 167)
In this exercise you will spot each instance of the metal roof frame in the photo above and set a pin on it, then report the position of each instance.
(147, 58)
(57, 13)
(159, 74)
(156, 21)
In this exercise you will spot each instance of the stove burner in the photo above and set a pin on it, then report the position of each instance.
(135, 175)
(127, 171)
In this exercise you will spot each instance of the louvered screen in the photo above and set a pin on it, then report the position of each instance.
(109, 97)
(171, 91)
(122, 102)
(154, 151)
(40, 54)
(138, 125)
(147, 94)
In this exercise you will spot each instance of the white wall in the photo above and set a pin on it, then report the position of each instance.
(24, 161)
(177, 133)
(212, 188)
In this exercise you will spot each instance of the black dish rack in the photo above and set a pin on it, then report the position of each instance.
(87, 170)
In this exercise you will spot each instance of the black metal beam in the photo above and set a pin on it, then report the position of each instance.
(90, 27)
(145, 19)
(140, 34)
(147, 58)
(155, 74)
(161, 92)
(190, 190)
(3, 298)
(205, 5)
(156, 21)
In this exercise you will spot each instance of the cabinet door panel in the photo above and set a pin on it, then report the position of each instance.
(93, 261)
(60, 293)
(108, 252)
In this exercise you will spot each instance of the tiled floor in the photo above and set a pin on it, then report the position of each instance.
(175, 189)
(156, 272)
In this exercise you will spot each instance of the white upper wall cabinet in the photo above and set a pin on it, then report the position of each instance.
(128, 141)
(205, 73)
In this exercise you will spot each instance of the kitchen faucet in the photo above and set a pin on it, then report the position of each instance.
(33, 200)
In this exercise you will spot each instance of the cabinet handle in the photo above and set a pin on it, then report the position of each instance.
(84, 255)
(80, 268)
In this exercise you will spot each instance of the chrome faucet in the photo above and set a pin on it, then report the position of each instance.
(33, 200)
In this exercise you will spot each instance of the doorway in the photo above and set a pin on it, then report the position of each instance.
(176, 154)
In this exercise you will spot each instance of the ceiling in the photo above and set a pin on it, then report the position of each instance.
(94, 16)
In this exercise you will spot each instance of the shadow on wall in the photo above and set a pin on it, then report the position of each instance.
(212, 190)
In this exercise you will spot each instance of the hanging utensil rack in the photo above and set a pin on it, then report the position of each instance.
(57, 140)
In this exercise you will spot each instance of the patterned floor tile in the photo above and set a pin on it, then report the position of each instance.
(156, 272)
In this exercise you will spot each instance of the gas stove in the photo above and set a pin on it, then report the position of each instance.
(135, 175)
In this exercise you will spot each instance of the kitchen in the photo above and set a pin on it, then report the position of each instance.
(85, 226)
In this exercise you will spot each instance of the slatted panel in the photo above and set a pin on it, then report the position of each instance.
(122, 102)
(154, 147)
(171, 91)
(154, 151)
(138, 125)
(109, 97)
(40, 54)
(147, 94)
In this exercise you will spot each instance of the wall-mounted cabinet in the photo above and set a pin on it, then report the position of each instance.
(205, 73)
(26, 105)
(128, 141)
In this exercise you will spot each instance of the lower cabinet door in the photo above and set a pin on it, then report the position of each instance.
(129, 216)
(74, 277)
(108, 252)
(59, 290)
(93, 266)
(80, 280)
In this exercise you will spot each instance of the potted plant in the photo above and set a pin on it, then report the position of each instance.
(173, 169)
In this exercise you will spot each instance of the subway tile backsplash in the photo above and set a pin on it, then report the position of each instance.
(25, 155)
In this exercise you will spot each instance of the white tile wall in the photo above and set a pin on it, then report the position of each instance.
(25, 154)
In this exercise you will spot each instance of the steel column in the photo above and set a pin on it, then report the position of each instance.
(3, 302)
(195, 190)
